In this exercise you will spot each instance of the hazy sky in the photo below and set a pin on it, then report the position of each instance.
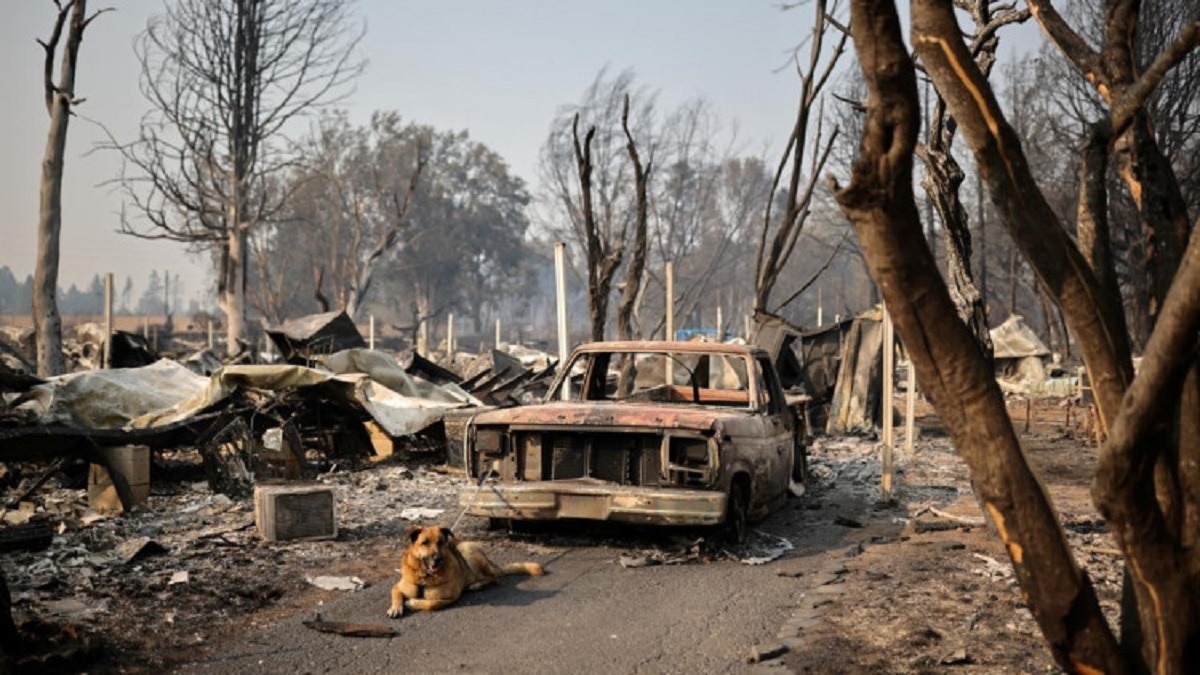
(498, 68)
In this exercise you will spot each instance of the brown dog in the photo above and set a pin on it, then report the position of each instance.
(437, 568)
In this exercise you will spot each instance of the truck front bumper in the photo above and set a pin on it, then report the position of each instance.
(552, 500)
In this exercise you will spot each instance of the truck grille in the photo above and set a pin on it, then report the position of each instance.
(624, 459)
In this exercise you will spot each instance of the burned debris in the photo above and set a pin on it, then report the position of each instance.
(200, 455)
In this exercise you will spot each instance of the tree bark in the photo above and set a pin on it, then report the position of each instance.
(943, 177)
(1091, 221)
(232, 292)
(1166, 574)
(59, 99)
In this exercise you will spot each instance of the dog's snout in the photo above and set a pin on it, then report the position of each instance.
(435, 558)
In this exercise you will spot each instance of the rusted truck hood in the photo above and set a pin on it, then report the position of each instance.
(610, 415)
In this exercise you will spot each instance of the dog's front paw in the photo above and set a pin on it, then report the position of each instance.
(396, 611)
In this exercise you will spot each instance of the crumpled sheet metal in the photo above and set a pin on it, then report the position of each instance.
(166, 392)
(111, 399)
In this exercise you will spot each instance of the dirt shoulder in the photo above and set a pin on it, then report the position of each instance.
(938, 594)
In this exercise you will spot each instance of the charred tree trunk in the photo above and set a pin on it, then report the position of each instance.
(232, 289)
(60, 97)
(943, 177)
(637, 261)
(603, 258)
(1091, 222)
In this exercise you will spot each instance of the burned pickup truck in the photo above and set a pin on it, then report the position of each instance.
(668, 433)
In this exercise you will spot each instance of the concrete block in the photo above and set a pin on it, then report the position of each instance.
(289, 511)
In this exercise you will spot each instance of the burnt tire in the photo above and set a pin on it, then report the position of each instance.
(736, 527)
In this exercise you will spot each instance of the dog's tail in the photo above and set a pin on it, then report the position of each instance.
(531, 568)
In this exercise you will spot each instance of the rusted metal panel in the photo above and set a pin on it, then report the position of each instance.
(604, 414)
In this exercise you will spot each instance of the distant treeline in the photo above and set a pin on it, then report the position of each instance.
(16, 297)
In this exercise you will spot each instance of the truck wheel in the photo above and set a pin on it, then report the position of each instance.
(737, 526)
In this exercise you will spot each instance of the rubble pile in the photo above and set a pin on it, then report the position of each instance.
(192, 560)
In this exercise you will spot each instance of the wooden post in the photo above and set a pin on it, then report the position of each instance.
(670, 309)
(145, 327)
(560, 287)
(670, 300)
(154, 334)
(450, 336)
(1028, 413)
(211, 341)
(889, 354)
(746, 326)
(910, 424)
(371, 332)
(108, 328)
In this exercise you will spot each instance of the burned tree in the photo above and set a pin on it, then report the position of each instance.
(223, 79)
(637, 260)
(60, 99)
(943, 176)
(587, 145)
(1146, 414)
(604, 253)
(802, 185)
(348, 214)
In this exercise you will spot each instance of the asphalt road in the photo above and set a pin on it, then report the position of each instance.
(587, 615)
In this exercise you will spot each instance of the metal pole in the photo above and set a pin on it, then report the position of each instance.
(560, 286)
(720, 323)
(371, 332)
(108, 327)
(497, 332)
(450, 337)
(889, 353)
(820, 309)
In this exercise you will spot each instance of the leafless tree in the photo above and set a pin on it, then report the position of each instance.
(350, 199)
(390, 210)
(1150, 416)
(637, 259)
(224, 78)
(60, 99)
(943, 176)
(802, 172)
(597, 220)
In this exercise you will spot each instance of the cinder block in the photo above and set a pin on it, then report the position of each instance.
(130, 461)
(294, 511)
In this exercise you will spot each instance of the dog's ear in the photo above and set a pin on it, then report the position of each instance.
(446, 533)
(412, 533)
